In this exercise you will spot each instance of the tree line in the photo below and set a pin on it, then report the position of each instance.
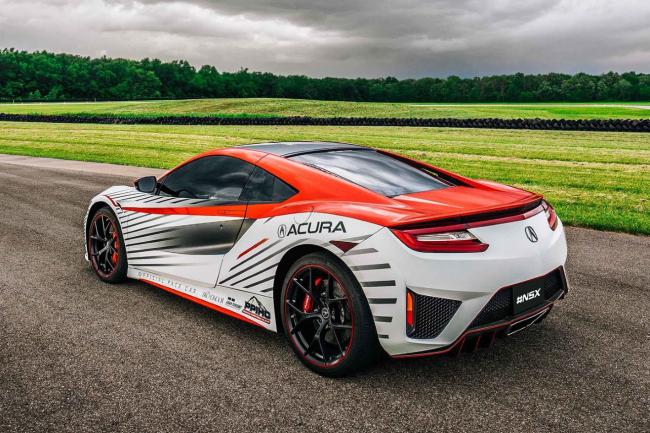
(48, 76)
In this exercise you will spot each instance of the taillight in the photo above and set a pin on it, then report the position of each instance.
(410, 318)
(441, 240)
(551, 216)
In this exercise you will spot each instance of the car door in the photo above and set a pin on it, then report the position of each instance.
(183, 230)
(263, 193)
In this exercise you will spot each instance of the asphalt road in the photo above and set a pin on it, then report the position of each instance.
(79, 355)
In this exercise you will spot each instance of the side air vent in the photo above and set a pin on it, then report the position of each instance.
(431, 315)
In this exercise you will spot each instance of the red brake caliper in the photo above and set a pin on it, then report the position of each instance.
(116, 246)
(308, 302)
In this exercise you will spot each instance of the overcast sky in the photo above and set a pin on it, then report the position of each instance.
(403, 38)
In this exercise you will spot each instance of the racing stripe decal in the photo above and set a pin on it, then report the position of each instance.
(355, 252)
(132, 197)
(159, 256)
(151, 241)
(343, 245)
(382, 300)
(256, 274)
(121, 193)
(157, 232)
(209, 238)
(168, 221)
(259, 282)
(157, 227)
(255, 255)
(286, 247)
(357, 239)
(126, 195)
(387, 283)
(251, 248)
(270, 256)
(370, 267)
(137, 217)
(153, 218)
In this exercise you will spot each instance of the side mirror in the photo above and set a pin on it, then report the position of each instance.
(146, 184)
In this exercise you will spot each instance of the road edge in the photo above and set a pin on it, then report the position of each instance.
(100, 168)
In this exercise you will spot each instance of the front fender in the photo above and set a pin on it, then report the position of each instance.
(104, 199)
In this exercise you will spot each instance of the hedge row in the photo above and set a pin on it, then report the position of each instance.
(624, 125)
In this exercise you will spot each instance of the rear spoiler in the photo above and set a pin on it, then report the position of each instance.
(481, 219)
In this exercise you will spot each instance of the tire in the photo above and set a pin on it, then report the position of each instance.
(105, 245)
(326, 317)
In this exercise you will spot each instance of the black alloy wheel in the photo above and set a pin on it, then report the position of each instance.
(106, 247)
(319, 315)
(326, 317)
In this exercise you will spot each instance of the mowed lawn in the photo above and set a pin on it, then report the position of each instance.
(594, 179)
(303, 107)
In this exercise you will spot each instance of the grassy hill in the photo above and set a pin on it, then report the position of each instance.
(302, 107)
(595, 179)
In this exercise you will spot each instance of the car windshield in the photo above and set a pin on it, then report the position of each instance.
(375, 171)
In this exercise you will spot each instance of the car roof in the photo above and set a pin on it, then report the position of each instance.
(292, 148)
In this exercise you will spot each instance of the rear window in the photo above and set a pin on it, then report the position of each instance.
(375, 171)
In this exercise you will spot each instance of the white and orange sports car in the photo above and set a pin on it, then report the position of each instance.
(348, 249)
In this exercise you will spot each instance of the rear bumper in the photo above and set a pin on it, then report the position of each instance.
(484, 335)
(466, 281)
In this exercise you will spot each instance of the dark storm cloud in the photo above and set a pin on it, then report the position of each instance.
(406, 38)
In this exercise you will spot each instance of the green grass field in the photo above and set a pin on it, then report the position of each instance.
(300, 107)
(594, 179)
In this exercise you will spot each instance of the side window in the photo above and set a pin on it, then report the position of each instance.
(220, 178)
(266, 188)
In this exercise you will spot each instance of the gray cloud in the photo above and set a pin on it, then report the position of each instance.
(405, 38)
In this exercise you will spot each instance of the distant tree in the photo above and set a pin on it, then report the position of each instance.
(55, 93)
(580, 87)
(35, 95)
(44, 75)
(624, 90)
(644, 88)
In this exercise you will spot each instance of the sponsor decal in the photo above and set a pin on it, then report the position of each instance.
(311, 228)
(167, 282)
(531, 234)
(181, 287)
(529, 296)
(254, 308)
(212, 298)
(232, 303)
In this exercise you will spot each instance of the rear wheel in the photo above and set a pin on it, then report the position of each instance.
(326, 317)
(106, 246)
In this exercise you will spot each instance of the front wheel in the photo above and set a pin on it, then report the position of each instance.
(106, 246)
(326, 317)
